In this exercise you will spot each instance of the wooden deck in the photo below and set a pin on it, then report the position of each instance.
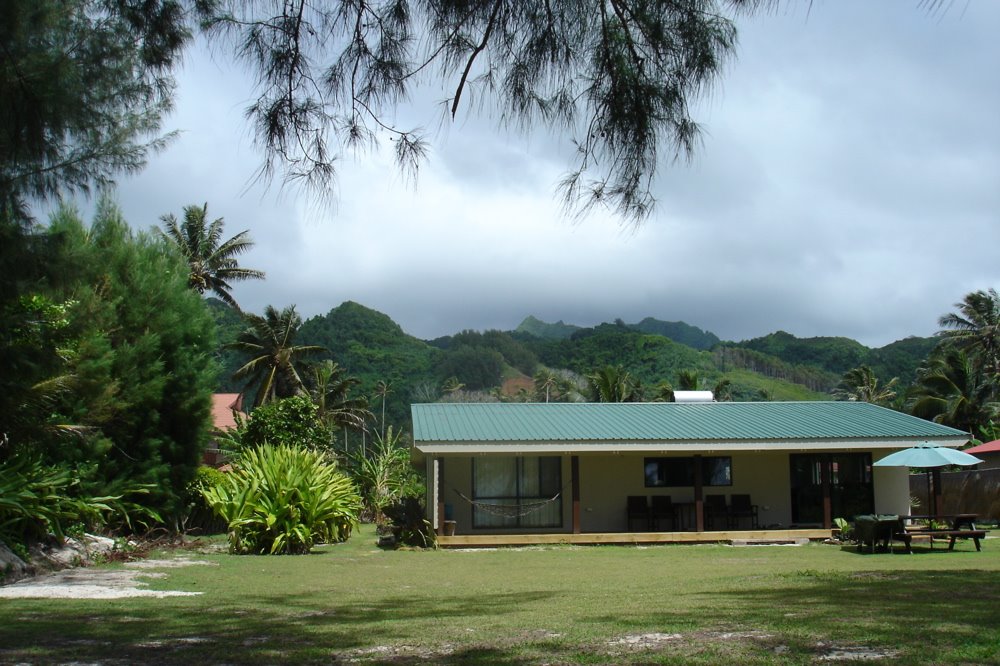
(631, 538)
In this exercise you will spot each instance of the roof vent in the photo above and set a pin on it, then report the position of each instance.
(693, 396)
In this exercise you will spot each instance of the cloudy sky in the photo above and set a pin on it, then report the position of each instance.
(849, 184)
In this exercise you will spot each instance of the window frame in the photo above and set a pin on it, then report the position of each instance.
(519, 497)
(685, 462)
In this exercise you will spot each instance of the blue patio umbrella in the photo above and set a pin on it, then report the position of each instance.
(928, 456)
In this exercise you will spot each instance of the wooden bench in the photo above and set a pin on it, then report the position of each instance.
(951, 535)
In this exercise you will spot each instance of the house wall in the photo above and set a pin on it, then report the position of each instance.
(607, 479)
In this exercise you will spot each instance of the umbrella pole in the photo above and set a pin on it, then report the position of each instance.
(931, 508)
(937, 491)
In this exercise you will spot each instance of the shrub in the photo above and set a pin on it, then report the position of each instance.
(198, 514)
(385, 476)
(37, 500)
(283, 499)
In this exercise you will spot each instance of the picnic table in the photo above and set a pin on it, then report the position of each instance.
(958, 526)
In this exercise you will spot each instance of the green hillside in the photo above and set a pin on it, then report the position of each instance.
(546, 331)
(833, 356)
(373, 348)
(678, 331)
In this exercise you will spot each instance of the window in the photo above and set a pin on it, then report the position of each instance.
(679, 471)
(519, 488)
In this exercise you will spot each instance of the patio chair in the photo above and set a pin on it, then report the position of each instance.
(715, 508)
(637, 508)
(663, 508)
(741, 507)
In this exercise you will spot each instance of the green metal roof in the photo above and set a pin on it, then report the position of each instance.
(667, 422)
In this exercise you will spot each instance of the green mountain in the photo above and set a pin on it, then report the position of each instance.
(654, 358)
(779, 366)
(373, 348)
(834, 356)
(678, 331)
(546, 331)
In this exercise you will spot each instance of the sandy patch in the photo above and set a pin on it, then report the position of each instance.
(99, 583)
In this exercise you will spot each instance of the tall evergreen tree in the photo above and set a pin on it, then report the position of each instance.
(84, 85)
(622, 75)
(141, 358)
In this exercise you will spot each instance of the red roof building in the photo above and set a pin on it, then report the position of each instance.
(224, 409)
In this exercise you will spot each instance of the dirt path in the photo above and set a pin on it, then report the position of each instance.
(94, 583)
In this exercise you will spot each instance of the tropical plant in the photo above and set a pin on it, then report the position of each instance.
(291, 421)
(140, 357)
(546, 383)
(283, 500)
(408, 524)
(861, 385)
(975, 328)
(332, 394)
(213, 262)
(614, 384)
(38, 499)
(452, 385)
(271, 372)
(723, 391)
(952, 390)
(198, 514)
(382, 390)
(687, 380)
(663, 392)
(385, 476)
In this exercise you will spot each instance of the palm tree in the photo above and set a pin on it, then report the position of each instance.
(383, 389)
(861, 385)
(614, 384)
(976, 328)
(546, 382)
(331, 393)
(723, 391)
(951, 390)
(664, 392)
(268, 341)
(213, 262)
(687, 380)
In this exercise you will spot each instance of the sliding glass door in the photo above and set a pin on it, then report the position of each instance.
(850, 479)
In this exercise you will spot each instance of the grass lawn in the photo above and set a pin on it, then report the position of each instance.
(352, 603)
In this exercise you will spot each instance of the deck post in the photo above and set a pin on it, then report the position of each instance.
(575, 477)
(439, 492)
(825, 467)
(699, 497)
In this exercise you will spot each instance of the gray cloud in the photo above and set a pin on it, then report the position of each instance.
(849, 184)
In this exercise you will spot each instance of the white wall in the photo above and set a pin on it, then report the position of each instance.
(892, 490)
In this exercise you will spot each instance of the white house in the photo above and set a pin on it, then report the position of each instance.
(548, 472)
